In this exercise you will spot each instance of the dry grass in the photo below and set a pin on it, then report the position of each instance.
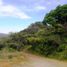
(10, 59)
(21, 59)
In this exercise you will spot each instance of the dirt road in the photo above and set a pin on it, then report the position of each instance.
(37, 61)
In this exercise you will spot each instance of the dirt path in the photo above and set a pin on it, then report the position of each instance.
(37, 61)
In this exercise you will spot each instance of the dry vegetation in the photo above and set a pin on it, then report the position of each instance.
(12, 59)
(16, 59)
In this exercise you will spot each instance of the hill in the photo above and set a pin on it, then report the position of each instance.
(3, 35)
(47, 38)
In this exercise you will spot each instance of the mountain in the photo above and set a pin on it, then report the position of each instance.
(3, 35)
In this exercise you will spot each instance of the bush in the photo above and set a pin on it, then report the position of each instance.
(2, 46)
(15, 46)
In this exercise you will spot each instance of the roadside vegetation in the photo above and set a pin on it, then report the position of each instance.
(47, 38)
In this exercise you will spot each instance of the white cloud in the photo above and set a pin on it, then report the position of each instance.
(40, 8)
(1, 2)
(9, 10)
(36, 8)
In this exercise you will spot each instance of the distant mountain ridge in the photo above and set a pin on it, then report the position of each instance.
(3, 35)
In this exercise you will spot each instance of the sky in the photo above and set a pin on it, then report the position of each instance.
(16, 15)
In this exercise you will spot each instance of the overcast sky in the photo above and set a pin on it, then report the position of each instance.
(16, 15)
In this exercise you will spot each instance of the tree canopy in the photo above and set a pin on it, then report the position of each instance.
(57, 16)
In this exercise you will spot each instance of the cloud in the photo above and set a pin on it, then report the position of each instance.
(40, 8)
(36, 8)
(9, 10)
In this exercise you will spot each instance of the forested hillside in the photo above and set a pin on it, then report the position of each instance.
(47, 38)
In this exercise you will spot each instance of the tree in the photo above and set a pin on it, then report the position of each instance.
(57, 16)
